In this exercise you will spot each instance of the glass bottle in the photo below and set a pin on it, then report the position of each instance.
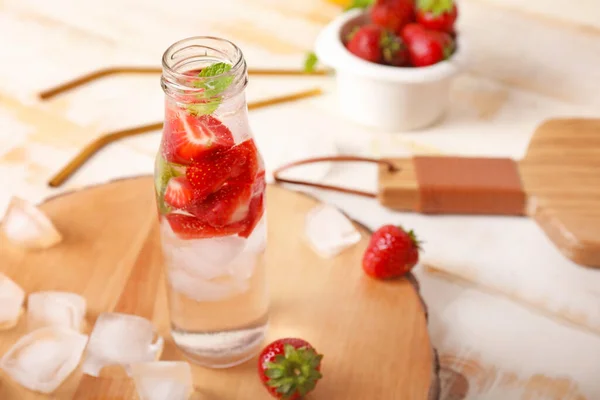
(210, 193)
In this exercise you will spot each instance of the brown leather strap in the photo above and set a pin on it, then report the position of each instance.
(278, 171)
(469, 185)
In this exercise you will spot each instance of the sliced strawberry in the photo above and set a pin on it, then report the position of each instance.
(260, 184)
(256, 209)
(189, 227)
(228, 205)
(248, 171)
(214, 168)
(188, 137)
(179, 193)
(255, 213)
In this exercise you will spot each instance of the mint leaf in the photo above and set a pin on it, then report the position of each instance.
(360, 4)
(215, 69)
(310, 62)
(203, 108)
(212, 88)
(163, 172)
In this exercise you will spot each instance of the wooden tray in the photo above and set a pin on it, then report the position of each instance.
(373, 334)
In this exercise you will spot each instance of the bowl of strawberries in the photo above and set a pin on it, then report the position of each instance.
(394, 61)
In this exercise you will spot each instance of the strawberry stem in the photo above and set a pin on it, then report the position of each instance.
(390, 45)
(435, 7)
(295, 371)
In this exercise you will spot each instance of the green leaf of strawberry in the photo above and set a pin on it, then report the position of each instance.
(362, 4)
(435, 7)
(290, 368)
(310, 62)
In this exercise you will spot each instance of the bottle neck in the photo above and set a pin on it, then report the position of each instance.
(204, 74)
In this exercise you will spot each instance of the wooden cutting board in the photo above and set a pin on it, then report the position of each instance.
(559, 175)
(373, 334)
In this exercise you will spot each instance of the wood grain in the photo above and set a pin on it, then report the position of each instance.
(373, 334)
(560, 174)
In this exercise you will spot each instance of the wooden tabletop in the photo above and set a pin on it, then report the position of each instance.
(529, 61)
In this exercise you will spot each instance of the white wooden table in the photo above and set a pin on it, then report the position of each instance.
(529, 61)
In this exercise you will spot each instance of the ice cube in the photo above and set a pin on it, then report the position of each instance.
(242, 267)
(200, 289)
(206, 258)
(55, 309)
(329, 231)
(257, 241)
(26, 225)
(121, 339)
(44, 358)
(163, 380)
(11, 302)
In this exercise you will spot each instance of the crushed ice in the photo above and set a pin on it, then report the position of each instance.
(59, 309)
(329, 231)
(44, 358)
(11, 302)
(121, 339)
(26, 225)
(163, 380)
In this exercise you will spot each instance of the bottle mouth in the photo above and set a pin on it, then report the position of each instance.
(183, 61)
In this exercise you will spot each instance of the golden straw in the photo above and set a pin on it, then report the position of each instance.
(102, 141)
(92, 76)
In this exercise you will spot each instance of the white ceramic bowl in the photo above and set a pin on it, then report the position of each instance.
(382, 96)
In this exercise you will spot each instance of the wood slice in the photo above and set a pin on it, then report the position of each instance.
(373, 334)
(560, 175)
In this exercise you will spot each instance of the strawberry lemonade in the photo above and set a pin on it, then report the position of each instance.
(210, 194)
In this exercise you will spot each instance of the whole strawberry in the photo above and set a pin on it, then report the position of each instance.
(289, 368)
(376, 44)
(365, 42)
(394, 51)
(391, 253)
(426, 47)
(437, 15)
(393, 14)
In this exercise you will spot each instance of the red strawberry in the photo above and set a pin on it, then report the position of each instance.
(189, 227)
(366, 43)
(212, 170)
(437, 15)
(257, 207)
(179, 193)
(230, 204)
(392, 252)
(393, 14)
(289, 368)
(395, 51)
(247, 149)
(426, 47)
(378, 45)
(410, 31)
(188, 137)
